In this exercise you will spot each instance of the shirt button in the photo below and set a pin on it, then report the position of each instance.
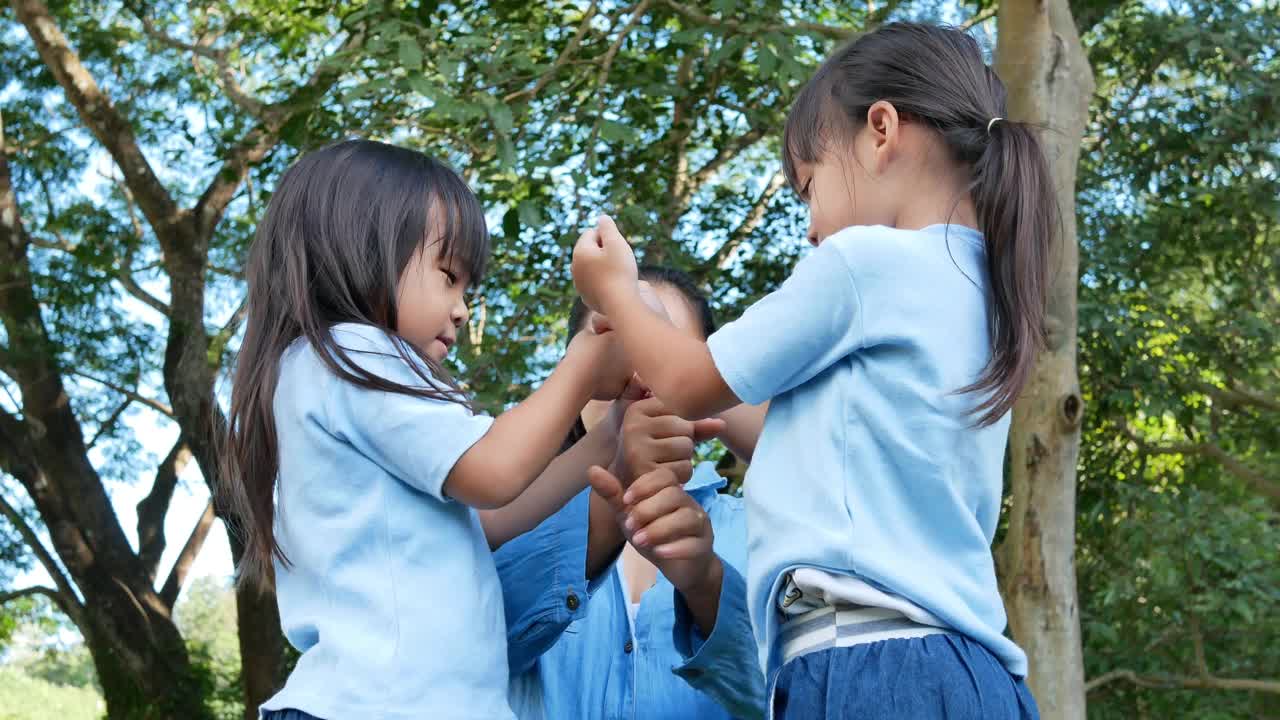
(572, 602)
(628, 647)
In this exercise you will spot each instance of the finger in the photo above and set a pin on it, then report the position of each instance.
(650, 407)
(682, 469)
(600, 324)
(708, 428)
(649, 484)
(670, 449)
(657, 426)
(608, 231)
(589, 238)
(682, 549)
(683, 522)
(663, 502)
(636, 389)
(606, 486)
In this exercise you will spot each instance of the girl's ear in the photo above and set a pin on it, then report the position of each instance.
(883, 125)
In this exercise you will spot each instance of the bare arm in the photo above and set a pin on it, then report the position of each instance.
(564, 478)
(523, 441)
(677, 368)
(743, 424)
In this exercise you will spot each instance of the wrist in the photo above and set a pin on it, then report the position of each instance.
(614, 295)
(706, 583)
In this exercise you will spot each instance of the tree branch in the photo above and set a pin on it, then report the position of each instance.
(98, 113)
(177, 576)
(1238, 395)
(807, 28)
(748, 225)
(1210, 450)
(727, 152)
(34, 590)
(681, 128)
(66, 595)
(261, 139)
(125, 276)
(153, 508)
(1209, 682)
(204, 49)
(132, 395)
(110, 422)
(563, 58)
(981, 17)
(219, 341)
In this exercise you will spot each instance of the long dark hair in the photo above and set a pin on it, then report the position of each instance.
(936, 76)
(342, 225)
(657, 275)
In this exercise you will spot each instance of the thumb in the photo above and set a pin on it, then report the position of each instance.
(708, 428)
(600, 323)
(606, 486)
(635, 390)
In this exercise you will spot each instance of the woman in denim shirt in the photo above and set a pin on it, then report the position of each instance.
(597, 630)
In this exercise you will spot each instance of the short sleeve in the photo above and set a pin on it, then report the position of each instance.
(417, 440)
(808, 324)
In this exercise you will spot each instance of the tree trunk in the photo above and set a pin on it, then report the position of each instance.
(1043, 64)
(264, 664)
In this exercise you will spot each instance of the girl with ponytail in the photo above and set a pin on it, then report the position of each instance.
(892, 357)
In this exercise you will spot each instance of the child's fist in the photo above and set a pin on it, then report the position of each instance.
(603, 264)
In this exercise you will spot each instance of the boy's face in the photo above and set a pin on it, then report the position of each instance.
(431, 302)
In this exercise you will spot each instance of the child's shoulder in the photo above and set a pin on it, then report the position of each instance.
(872, 251)
(357, 347)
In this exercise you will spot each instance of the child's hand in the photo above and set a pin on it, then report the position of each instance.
(665, 524)
(653, 438)
(603, 264)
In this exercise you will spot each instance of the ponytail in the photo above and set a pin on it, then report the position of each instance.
(1017, 210)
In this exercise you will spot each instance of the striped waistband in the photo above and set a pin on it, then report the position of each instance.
(847, 625)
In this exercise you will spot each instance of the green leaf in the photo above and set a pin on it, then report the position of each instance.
(410, 54)
(502, 120)
(614, 131)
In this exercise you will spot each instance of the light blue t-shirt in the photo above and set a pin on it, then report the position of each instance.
(392, 597)
(870, 464)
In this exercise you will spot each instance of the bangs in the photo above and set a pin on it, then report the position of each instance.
(809, 125)
(456, 222)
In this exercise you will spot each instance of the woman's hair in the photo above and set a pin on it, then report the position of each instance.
(342, 225)
(659, 276)
(936, 76)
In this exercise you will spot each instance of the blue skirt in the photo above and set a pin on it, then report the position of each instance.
(930, 678)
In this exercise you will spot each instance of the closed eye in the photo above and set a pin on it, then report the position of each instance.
(453, 279)
(804, 191)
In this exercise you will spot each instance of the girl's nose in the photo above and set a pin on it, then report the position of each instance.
(812, 235)
(461, 313)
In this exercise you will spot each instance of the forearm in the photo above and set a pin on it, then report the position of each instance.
(676, 367)
(703, 599)
(743, 424)
(523, 441)
(604, 537)
(564, 477)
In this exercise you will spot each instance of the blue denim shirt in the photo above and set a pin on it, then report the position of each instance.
(569, 642)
